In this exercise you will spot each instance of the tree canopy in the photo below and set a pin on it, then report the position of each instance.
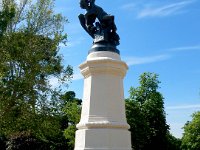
(191, 136)
(146, 115)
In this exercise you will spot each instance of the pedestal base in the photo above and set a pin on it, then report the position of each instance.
(103, 139)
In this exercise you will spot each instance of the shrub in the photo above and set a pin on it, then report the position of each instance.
(24, 141)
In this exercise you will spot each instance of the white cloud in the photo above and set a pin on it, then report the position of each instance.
(129, 6)
(165, 10)
(178, 107)
(145, 60)
(186, 48)
(77, 76)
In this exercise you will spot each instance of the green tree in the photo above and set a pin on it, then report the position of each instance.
(146, 115)
(191, 136)
(72, 110)
(139, 128)
(29, 52)
(173, 143)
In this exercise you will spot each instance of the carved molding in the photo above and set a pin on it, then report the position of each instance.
(103, 66)
(102, 125)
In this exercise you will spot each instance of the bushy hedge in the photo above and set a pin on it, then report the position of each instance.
(27, 141)
(24, 141)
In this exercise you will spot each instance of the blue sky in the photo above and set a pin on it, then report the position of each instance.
(156, 36)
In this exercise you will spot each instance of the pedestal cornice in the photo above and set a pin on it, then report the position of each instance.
(103, 66)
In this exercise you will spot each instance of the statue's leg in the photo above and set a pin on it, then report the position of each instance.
(83, 24)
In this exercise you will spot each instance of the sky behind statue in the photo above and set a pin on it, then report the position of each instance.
(156, 36)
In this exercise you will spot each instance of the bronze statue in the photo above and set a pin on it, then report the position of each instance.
(102, 31)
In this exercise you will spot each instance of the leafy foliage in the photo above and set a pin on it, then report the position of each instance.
(173, 143)
(22, 140)
(73, 112)
(29, 50)
(146, 116)
(191, 136)
(6, 15)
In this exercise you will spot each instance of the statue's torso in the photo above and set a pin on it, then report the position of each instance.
(95, 12)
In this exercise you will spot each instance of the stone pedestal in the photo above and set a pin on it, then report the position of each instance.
(103, 124)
